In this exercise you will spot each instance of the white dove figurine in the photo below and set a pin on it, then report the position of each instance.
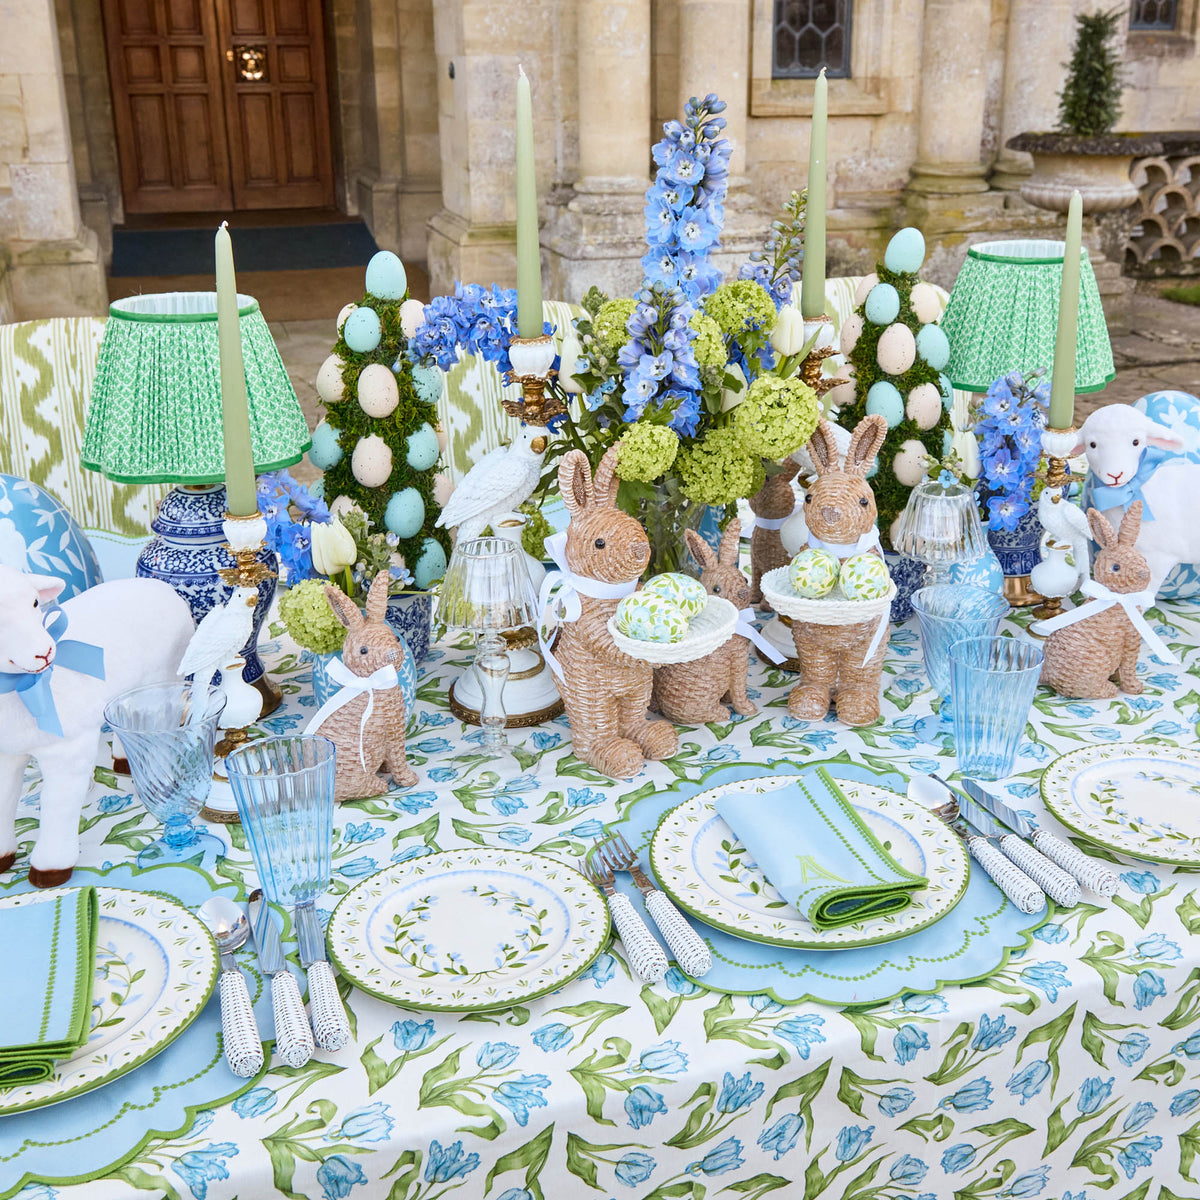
(499, 482)
(218, 638)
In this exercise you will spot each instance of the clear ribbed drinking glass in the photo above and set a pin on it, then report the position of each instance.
(284, 792)
(992, 684)
(168, 731)
(948, 613)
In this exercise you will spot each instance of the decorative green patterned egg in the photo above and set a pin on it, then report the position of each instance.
(646, 617)
(864, 577)
(813, 573)
(683, 591)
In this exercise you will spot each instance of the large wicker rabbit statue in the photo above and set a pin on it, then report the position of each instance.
(1083, 654)
(691, 693)
(840, 511)
(365, 718)
(772, 505)
(605, 691)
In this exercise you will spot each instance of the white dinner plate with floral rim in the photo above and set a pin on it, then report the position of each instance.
(155, 969)
(1139, 800)
(703, 867)
(468, 930)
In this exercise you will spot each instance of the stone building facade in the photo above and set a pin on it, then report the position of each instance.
(421, 102)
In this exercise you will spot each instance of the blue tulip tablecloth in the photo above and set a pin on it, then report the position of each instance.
(1072, 1073)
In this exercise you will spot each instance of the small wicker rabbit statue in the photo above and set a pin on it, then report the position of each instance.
(691, 693)
(1083, 654)
(365, 718)
(772, 505)
(840, 511)
(606, 692)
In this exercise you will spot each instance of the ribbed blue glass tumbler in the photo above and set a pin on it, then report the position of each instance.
(992, 684)
(168, 731)
(948, 613)
(284, 792)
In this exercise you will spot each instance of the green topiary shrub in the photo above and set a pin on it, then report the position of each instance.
(1090, 102)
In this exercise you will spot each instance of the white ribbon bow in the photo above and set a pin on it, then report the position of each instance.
(560, 594)
(844, 550)
(1104, 598)
(775, 523)
(353, 685)
(747, 629)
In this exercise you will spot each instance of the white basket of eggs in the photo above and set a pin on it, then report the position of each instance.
(672, 619)
(818, 589)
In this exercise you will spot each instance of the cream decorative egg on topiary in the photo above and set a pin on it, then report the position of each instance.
(650, 618)
(686, 593)
(864, 577)
(813, 573)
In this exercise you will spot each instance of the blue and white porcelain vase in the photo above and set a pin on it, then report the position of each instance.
(1018, 551)
(410, 616)
(324, 685)
(907, 574)
(38, 535)
(984, 572)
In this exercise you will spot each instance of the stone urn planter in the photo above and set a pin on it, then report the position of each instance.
(1097, 166)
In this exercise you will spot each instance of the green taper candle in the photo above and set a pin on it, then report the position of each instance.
(241, 498)
(529, 253)
(812, 287)
(1062, 381)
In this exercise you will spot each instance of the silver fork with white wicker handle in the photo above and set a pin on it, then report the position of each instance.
(330, 1024)
(692, 955)
(645, 955)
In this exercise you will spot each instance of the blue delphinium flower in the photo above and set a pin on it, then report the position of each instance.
(777, 266)
(642, 1105)
(725, 1157)
(337, 1175)
(1009, 421)
(634, 1167)
(852, 1140)
(448, 1162)
(521, 1094)
(1093, 1092)
(781, 1137)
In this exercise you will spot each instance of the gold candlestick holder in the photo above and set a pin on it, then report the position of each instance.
(532, 360)
(812, 367)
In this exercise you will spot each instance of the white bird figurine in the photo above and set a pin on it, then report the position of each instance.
(498, 483)
(219, 637)
(1068, 523)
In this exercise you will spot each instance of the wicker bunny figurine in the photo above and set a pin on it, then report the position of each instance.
(840, 511)
(691, 693)
(1082, 656)
(606, 692)
(368, 725)
(772, 504)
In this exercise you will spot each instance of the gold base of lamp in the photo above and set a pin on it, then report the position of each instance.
(1018, 591)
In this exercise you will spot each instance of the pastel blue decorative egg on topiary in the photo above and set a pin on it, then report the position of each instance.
(428, 383)
(326, 450)
(884, 398)
(905, 252)
(422, 448)
(651, 618)
(882, 306)
(686, 593)
(386, 277)
(38, 535)
(947, 390)
(933, 346)
(405, 513)
(430, 565)
(813, 573)
(864, 577)
(362, 330)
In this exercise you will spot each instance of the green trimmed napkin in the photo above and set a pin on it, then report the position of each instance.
(810, 842)
(48, 948)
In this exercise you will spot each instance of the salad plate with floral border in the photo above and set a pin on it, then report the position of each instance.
(1138, 799)
(468, 930)
(703, 867)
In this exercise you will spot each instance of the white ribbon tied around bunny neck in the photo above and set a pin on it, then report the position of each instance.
(353, 685)
(560, 594)
(774, 524)
(747, 629)
(844, 550)
(1103, 598)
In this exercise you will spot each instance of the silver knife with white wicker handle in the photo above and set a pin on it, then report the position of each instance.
(1005, 874)
(642, 951)
(329, 1021)
(1052, 879)
(293, 1036)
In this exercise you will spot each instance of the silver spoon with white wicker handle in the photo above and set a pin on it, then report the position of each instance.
(642, 951)
(243, 1047)
(692, 955)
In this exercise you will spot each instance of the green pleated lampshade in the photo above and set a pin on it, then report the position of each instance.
(1003, 316)
(155, 410)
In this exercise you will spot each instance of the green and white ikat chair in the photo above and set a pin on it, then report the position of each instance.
(46, 372)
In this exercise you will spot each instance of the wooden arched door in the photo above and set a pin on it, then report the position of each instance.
(220, 104)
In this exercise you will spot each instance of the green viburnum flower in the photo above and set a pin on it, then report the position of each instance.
(609, 326)
(537, 530)
(739, 305)
(646, 452)
(718, 470)
(777, 416)
(309, 619)
(709, 345)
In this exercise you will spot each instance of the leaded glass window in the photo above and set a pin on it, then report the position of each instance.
(809, 35)
(1148, 14)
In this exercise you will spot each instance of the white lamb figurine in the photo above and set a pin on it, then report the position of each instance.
(142, 626)
(1115, 439)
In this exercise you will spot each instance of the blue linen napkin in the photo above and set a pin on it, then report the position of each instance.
(48, 951)
(810, 842)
